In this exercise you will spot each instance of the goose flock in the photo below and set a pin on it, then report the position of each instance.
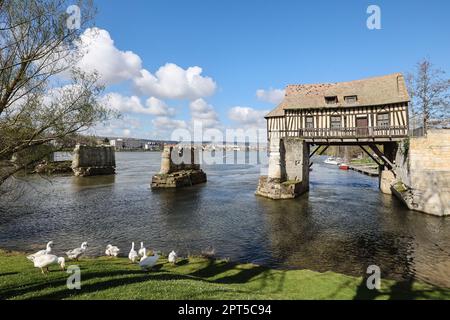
(43, 259)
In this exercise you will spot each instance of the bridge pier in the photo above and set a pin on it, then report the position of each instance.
(387, 174)
(385, 180)
(93, 161)
(180, 167)
(288, 172)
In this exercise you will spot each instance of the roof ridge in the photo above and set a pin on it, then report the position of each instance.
(396, 74)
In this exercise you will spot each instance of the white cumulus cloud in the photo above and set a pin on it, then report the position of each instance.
(102, 56)
(158, 107)
(173, 82)
(132, 104)
(125, 126)
(118, 102)
(271, 95)
(203, 112)
(248, 117)
(164, 127)
(167, 124)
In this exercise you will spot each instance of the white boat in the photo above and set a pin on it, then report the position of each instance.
(331, 160)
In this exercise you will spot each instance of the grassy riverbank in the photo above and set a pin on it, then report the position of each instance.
(193, 278)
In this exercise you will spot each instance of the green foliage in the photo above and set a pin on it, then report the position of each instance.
(366, 161)
(400, 187)
(405, 149)
(38, 110)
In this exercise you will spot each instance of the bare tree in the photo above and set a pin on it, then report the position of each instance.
(429, 90)
(43, 97)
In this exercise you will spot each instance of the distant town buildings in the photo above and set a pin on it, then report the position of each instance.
(231, 146)
(130, 144)
(122, 144)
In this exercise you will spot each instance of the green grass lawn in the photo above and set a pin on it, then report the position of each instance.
(193, 278)
(363, 161)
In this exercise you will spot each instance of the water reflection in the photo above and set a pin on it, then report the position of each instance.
(343, 224)
(80, 183)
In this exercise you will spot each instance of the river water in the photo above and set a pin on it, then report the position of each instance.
(344, 224)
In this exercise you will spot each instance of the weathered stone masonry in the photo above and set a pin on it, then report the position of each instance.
(179, 168)
(423, 173)
(288, 174)
(92, 161)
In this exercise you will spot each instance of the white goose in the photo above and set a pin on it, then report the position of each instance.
(173, 257)
(45, 260)
(133, 255)
(147, 263)
(141, 250)
(112, 250)
(78, 252)
(48, 250)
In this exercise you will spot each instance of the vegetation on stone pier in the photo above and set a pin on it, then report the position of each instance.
(193, 278)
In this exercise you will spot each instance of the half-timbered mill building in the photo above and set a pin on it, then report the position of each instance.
(374, 109)
(369, 113)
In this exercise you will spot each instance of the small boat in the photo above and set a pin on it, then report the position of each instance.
(331, 160)
(343, 166)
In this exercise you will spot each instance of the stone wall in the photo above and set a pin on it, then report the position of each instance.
(175, 159)
(180, 167)
(288, 172)
(423, 173)
(91, 161)
(296, 160)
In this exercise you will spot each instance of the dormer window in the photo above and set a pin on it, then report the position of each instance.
(331, 100)
(351, 99)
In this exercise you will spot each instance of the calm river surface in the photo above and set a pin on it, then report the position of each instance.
(343, 224)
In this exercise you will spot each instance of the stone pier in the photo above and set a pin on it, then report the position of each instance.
(288, 173)
(180, 167)
(93, 161)
(422, 169)
(386, 176)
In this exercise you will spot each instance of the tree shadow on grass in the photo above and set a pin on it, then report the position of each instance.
(109, 280)
(23, 289)
(182, 262)
(213, 268)
(400, 290)
(109, 283)
(243, 275)
(8, 274)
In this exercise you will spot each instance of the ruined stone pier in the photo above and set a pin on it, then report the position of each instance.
(288, 174)
(93, 161)
(180, 167)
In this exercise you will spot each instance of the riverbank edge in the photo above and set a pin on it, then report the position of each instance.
(191, 279)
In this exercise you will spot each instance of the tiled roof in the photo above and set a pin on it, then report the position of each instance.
(382, 90)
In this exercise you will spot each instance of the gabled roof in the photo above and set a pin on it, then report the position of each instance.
(382, 90)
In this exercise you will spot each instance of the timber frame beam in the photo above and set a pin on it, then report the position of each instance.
(384, 159)
(371, 156)
(317, 149)
(381, 155)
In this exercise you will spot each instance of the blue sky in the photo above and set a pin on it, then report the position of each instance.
(244, 46)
